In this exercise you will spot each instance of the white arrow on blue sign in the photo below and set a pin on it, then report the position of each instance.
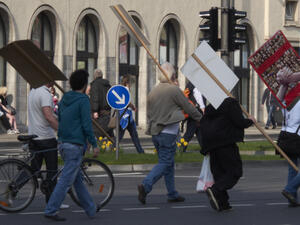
(118, 97)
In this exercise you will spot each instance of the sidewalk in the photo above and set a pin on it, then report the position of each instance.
(251, 134)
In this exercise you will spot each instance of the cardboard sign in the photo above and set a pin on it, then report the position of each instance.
(272, 56)
(31, 63)
(203, 81)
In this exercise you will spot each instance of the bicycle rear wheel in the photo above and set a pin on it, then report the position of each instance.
(98, 180)
(17, 185)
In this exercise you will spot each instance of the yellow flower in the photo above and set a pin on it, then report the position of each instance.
(100, 138)
(185, 143)
(114, 149)
(182, 140)
(109, 143)
(178, 144)
(103, 146)
(104, 142)
(155, 151)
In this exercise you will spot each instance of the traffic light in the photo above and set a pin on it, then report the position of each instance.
(210, 28)
(233, 29)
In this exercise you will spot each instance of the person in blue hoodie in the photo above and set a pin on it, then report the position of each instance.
(74, 130)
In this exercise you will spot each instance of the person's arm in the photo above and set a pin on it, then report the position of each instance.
(48, 114)
(198, 96)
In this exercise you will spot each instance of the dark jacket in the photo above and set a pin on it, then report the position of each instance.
(99, 88)
(223, 126)
(269, 98)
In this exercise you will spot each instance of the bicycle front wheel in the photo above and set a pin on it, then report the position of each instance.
(17, 185)
(99, 181)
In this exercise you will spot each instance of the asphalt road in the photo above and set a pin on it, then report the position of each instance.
(256, 200)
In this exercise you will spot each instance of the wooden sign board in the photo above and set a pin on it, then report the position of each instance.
(31, 63)
(203, 81)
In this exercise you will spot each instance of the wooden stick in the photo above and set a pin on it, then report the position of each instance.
(243, 109)
(141, 41)
(56, 84)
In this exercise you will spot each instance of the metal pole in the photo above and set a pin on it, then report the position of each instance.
(231, 54)
(117, 134)
(224, 31)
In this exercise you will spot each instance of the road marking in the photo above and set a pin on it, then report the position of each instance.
(148, 208)
(3, 214)
(32, 213)
(277, 203)
(189, 206)
(125, 174)
(243, 205)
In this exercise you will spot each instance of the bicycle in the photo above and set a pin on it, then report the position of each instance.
(18, 182)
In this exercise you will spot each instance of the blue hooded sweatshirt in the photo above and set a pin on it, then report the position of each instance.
(74, 119)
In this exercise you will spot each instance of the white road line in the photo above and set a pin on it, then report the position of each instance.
(32, 213)
(189, 206)
(277, 203)
(243, 205)
(3, 214)
(125, 174)
(133, 209)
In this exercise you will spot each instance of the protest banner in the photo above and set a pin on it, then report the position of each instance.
(199, 77)
(35, 67)
(272, 56)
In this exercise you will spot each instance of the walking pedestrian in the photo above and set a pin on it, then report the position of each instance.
(272, 105)
(165, 103)
(221, 128)
(75, 127)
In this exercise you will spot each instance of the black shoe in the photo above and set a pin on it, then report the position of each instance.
(142, 194)
(98, 207)
(55, 217)
(266, 127)
(226, 208)
(212, 199)
(178, 199)
(274, 127)
(289, 197)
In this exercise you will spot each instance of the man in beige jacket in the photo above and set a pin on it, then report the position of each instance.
(165, 106)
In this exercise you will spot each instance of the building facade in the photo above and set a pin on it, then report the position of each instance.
(86, 34)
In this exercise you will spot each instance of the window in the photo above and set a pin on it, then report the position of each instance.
(2, 61)
(290, 9)
(42, 35)
(86, 47)
(168, 45)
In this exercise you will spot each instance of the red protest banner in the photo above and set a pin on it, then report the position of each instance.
(272, 56)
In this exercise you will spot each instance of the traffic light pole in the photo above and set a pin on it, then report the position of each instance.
(224, 31)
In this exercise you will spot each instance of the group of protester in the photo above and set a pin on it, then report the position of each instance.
(219, 132)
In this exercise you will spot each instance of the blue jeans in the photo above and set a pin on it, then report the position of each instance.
(165, 145)
(271, 118)
(293, 178)
(134, 136)
(71, 175)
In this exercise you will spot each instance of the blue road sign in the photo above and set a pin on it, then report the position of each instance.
(118, 97)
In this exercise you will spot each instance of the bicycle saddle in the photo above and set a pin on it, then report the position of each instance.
(26, 137)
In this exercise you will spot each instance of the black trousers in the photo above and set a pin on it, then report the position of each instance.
(226, 167)
(5, 122)
(191, 129)
(50, 160)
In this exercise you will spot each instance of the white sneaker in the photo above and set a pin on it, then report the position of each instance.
(16, 131)
(64, 206)
(10, 131)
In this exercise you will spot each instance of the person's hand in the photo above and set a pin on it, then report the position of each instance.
(283, 76)
(252, 118)
(95, 115)
(96, 152)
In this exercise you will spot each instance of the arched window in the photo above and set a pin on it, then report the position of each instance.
(42, 34)
(86, 47)
(168, 45)
(242, 70)
(2, 61)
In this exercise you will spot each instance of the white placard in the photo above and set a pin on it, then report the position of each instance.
(202, 81)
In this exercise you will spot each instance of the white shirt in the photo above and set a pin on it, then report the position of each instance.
(37, 123)
(292, 119)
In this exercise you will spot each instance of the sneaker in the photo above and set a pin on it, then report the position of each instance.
(266, 127)
(274, 127)
(55, 217)
(289, 197)
(212, 199)
(178, 199)
(10, 131)
(64, 206)
(142, 194)
(16, 131)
